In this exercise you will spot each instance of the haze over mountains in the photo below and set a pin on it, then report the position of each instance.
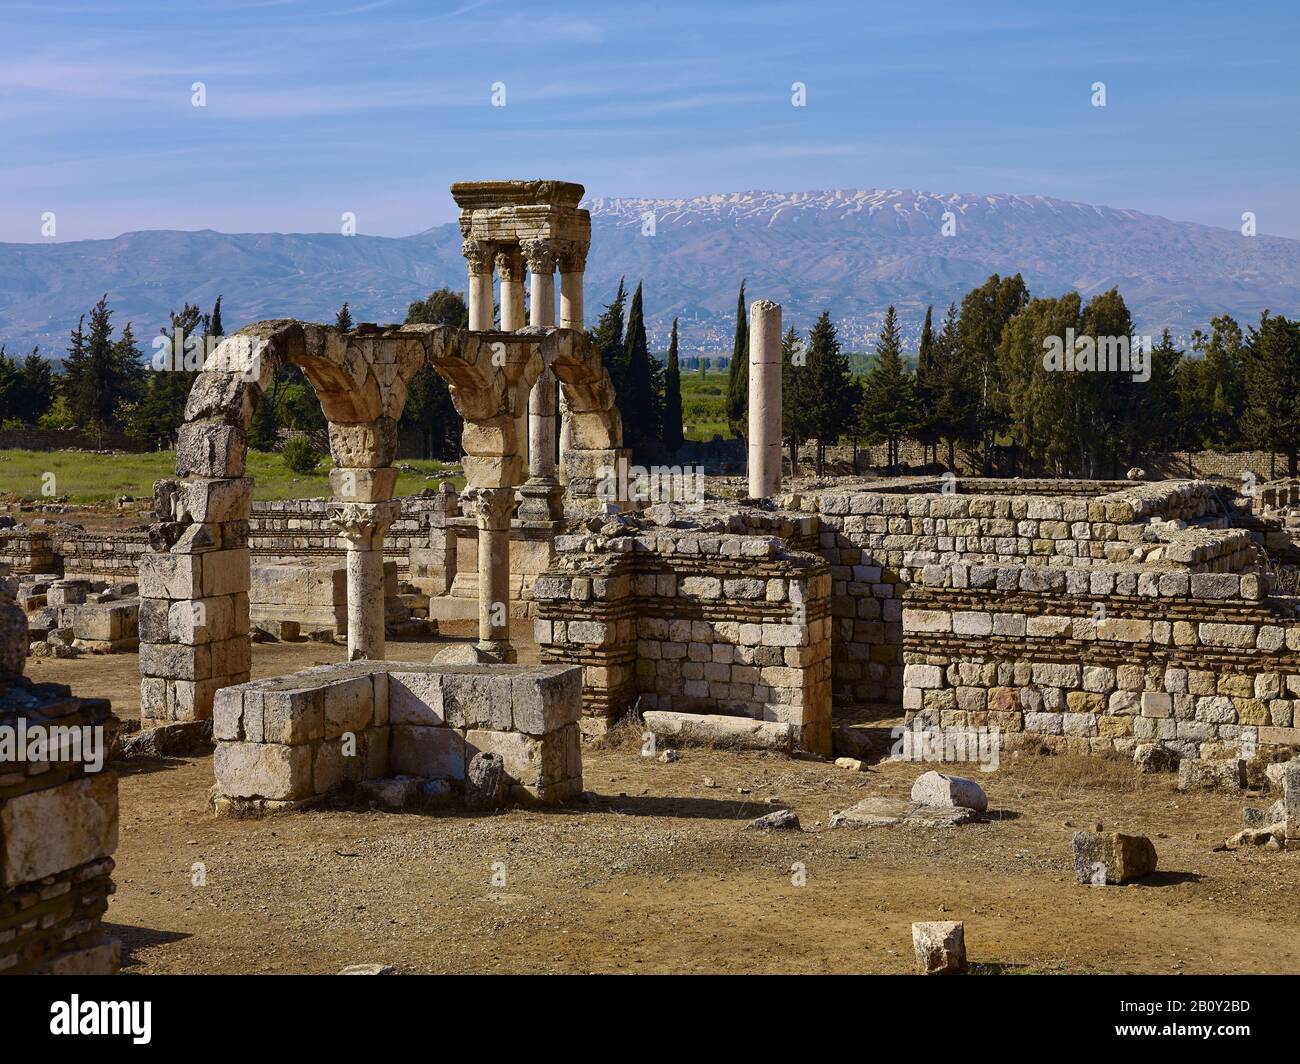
(846, 251)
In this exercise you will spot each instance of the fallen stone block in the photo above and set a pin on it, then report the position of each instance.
(396, 793)
(1262, 818)
(877, 812)
(186, 738)
(942, 791)
(850, 764)
(1262, 836)
(780, 820)
(1228, 775)
(282, 631)
(741, 732)
(368, 969)
(484, 781)
(1109, 857)
(940, 946)
(1155, 757)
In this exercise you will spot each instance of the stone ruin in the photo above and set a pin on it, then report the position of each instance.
(58, 818)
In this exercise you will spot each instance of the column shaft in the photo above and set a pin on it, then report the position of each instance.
(764, 399)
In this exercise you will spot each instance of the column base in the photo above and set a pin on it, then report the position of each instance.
(541, 500)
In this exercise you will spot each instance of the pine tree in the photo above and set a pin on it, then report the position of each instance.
(607, 337)
(215, 328)
(639, 406)
(985, 312)
(672, 418)
(831, 393)
(888, 409)
(1271, 418)
(429, 409)
(36, 388)
(953, 411)
(796, 406)
(737, 403)
(343, 320)
(927, 387)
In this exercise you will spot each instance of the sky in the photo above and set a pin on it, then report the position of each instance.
(373, 107)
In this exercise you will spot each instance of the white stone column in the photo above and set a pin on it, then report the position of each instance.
(490, 508)
(510, 264)
(479, 256)
(764, 399)
(540, 257)
(362, 526)
(573, 264)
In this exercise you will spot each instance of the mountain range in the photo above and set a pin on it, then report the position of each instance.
(850, 252)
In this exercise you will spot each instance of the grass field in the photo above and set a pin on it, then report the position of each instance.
(703, 395)
(90, 478)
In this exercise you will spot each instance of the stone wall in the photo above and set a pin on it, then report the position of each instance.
(58, 821)
(693, 621)
(292, 740)
(1102, 659)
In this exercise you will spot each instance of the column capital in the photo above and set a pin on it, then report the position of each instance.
(572, 255)
(490, 507)
(363, 524)
(510, 262)
(479, 254)
(540, 255)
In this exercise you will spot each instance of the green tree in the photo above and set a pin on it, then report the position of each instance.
(607, 337)
(887, 412)
(1224, 381)
(737, 402)
(215, 327)
(101, 374)
(429, 409)
(639, 402)
(831, 391)
(672, 411)
(343, 320)
(1271, 418)
(927, 387)
(952, 408)
(796, 405)
(27, 389)
(985, 312)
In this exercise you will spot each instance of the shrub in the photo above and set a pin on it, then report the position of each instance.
(300, 456)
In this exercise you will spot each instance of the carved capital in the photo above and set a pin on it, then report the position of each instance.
(479, 254)
(490, 507)
(363, 524)
(540, 255)
(572, 256)
(510, 262)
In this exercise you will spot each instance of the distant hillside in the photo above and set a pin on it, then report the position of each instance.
(849, 252)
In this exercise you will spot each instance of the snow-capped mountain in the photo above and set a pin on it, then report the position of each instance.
(848, 251)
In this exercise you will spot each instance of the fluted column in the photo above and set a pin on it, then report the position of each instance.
(490, 508)
(362, 526)
(479, 256)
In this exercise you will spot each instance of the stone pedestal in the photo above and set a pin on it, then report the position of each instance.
(362, 526)
(490, 508)
(764, 399)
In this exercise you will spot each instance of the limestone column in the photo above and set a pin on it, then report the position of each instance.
(541, 493)
(362, 526)
(510, 262)
(479, 256)
(764, 399)
(573, 264)
(490, 508)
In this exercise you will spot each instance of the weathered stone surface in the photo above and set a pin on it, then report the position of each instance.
(175, 739)
(1155, 757)
(368, 969)
(944, 791)
(484, 782)
(781, 819)
(1109, 857)
(1227, 775)
(263, 770)
(49, 831)
(940, 946)
(741, 732)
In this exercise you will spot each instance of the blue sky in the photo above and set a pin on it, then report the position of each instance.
(375, 106)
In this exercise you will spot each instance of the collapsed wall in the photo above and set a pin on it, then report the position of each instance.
(58, 818)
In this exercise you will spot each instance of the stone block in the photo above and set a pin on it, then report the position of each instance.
(432, 752)
(940, 947)
(1109, 857)
(45, 832)
(263, 770)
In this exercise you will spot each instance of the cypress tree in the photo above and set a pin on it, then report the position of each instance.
(672, 433)
(738, 372)
(343, 320)
(640, 409)
(926, 386)
(215, 328)
(607, 337)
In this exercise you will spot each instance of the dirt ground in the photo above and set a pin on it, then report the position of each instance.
(653, 871)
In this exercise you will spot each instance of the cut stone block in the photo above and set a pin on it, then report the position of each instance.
(1109, 857)
(741, 732)
(48, 831)
(943, 791)
(940, 946)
